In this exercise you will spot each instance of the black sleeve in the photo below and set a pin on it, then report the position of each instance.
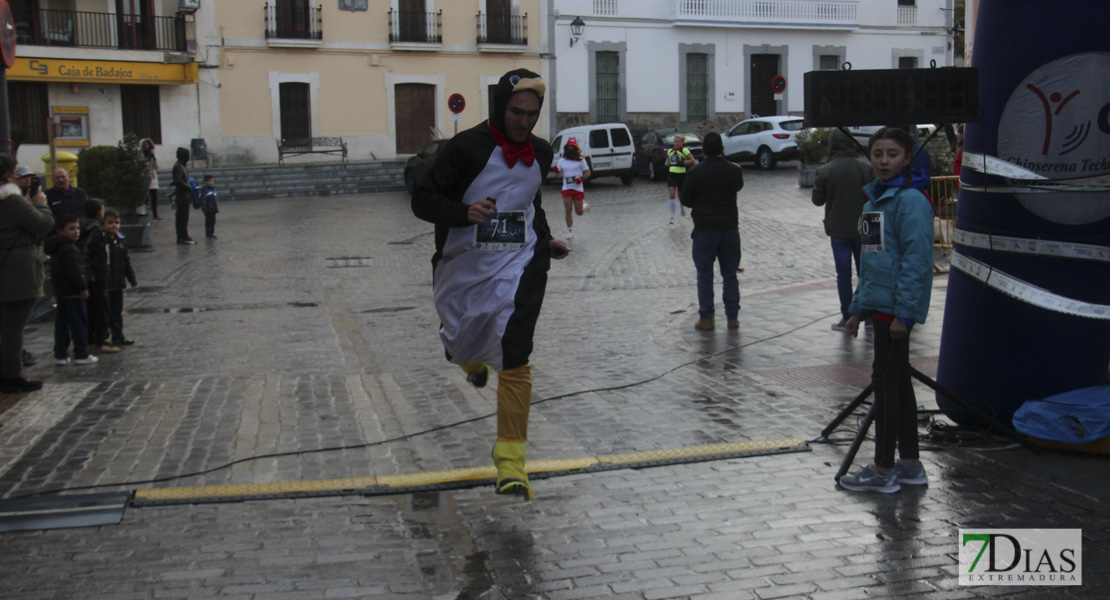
(438, 197)
(689, 187)
(127, 270)
(74, 271)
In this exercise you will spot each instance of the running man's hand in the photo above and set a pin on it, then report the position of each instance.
(481, 211)
(559, 249)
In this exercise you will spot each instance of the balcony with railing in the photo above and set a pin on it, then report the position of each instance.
(503, 30)
(294, 24)
(809, 14)
(907, 15)
(415, 30)
(118, 31)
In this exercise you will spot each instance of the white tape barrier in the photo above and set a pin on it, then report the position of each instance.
(1025, 181)
(1031, 294)
(1031, 246)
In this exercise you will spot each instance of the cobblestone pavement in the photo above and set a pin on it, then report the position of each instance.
(309, 325)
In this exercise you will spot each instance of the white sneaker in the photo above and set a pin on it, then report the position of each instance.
(61, 362)
(570, 234)
(585, 207)
(88, 360)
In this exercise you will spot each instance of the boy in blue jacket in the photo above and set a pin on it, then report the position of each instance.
(119, 274)
(209, 205)
(895, 284)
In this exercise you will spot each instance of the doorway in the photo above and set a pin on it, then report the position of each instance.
(136, 25)
(415, 116)
(762, 101)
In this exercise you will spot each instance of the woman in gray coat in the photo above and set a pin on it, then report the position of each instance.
(23, 222)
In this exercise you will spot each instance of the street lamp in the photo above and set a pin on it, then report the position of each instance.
(577, 26)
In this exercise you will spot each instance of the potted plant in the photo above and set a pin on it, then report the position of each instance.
(120, 176)
(813, 148)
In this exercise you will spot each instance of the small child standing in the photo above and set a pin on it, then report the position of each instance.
(573, 169)
(94, 246)
(209, 205)
(895, 284)
(119, 274)
(71, 290)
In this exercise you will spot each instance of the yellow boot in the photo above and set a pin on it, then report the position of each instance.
(508, 457)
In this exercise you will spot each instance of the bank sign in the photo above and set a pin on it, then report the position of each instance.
(101, 71)
(1021, 557)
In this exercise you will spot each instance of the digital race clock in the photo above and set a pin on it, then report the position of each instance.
(891, 96)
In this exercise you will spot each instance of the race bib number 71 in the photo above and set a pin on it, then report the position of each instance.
(502, 231)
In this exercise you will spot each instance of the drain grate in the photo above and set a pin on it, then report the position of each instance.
(348, 261)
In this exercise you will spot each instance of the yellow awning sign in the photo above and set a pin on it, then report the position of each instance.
(101, 71)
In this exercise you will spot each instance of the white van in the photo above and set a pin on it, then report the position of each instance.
(607, 148)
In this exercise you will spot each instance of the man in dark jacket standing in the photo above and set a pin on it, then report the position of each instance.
(839, 188)
(183, 197)
(710, 190)
(64, 198)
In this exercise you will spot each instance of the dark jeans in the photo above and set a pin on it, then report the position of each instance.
(721, 246)
(13, 316)
(181, 218)
(115, 314)
(843, 251)
(895, 403)
(154, 203)
(97, 308)
(71, 324)
(209, 224)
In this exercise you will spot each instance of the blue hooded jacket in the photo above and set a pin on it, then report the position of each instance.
(899, 279)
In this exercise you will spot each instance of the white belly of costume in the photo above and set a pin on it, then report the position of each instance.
(474, 290)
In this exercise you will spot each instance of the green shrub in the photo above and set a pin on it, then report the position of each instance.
(92, 169)
(119, 175)
(813, 145)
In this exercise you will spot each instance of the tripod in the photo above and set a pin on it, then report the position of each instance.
(936, 387)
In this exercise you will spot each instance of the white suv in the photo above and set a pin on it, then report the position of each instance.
(764, 140)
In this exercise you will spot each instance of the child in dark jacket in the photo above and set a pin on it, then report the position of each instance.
(209, 205)
(119, 274)
(67, 275)
(94, 245)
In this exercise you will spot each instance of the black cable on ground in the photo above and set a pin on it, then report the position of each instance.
(418, 433)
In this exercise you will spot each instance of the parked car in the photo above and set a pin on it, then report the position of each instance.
(418, 164)
(651, 151)
(607, 148)
(764, 140)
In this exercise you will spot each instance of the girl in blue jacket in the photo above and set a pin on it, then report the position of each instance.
(894, 287)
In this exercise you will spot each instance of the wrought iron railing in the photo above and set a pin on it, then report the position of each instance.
(48, 27)
(413, 26)
(294, 21)
(503, 29)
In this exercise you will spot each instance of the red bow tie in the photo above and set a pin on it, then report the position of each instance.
(513, 151)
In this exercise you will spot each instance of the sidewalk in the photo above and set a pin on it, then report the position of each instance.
(309, 325)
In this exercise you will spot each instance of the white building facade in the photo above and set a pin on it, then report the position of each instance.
(706, 64)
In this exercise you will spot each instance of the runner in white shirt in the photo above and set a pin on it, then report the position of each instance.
(573, 169)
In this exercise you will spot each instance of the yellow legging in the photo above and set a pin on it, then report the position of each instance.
(514, 398)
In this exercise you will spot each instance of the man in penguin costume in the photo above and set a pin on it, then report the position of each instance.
(493, 251)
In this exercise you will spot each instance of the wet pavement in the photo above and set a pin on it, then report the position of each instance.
(307, 330)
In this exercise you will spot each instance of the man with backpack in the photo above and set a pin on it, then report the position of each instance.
(183, 197)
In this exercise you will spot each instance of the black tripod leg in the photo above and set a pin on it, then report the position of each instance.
(844, 414)
(1004, 428)
(856, 443)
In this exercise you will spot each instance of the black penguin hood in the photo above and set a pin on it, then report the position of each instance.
(512, 82)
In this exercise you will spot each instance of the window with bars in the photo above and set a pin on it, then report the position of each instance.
(830, 62)
(697, 86)
(142, 111)
(608, 87)
(28, 109)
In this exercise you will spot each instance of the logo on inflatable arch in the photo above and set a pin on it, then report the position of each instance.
(1057, 124)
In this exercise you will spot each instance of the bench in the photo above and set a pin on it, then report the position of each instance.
(314, 145)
